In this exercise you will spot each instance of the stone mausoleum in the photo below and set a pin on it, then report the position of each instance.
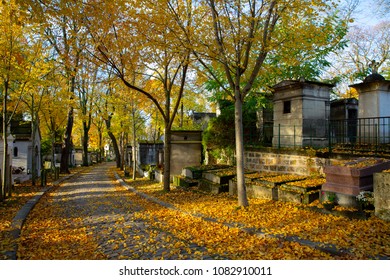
(301, 112)
(186, 150)
(374, 109)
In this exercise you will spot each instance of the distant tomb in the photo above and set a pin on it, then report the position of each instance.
(374, 109)
(186, 150)
(147, 152)
(344, 120)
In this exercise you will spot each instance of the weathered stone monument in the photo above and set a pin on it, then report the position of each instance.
(147, 152)
(374, 108)
(186, 149)
(301, 111)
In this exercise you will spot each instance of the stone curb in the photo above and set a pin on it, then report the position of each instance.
(21, 215)
(324, 247)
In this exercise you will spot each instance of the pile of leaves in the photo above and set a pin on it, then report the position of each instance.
(311, 182)
(21, 194)
(221, 240)
(49, 234)
(284, 178)
(362, 162)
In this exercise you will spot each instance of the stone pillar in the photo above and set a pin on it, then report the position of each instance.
(382, 195)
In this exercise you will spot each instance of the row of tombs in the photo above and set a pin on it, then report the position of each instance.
(347, 181)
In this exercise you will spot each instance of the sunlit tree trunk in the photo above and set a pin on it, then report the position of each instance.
(5, 144)
(241, 188)
(167, 159)
(114, 142)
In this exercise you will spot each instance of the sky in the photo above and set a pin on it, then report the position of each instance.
(367, 13)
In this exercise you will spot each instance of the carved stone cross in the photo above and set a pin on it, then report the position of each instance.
(374, 66)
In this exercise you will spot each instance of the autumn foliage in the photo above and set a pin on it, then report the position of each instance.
(199, 226)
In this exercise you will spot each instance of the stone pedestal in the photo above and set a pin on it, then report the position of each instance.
(382, 195)
(350, 180)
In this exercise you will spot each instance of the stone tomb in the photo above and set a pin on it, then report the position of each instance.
(268, 187)
(186, 150)
(301, 109)
(374, 100)
(354, 176)
(302, 192)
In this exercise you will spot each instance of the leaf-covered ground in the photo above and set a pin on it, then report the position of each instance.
(113, 223)
(21, 194)
(8, 209)
(363, 238)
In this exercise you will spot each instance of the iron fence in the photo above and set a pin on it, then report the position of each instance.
(350, 135)
(363, 135)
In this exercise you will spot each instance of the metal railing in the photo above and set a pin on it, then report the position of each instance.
(355, 135)
(363, 135)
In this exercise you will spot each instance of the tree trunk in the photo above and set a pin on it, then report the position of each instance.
(167, 159)
(134, 158)
(116, 149)
(67, 143)
(122, 146)
(85, 144)
(101, 148)
(134, 150)
(241, 188)
(33, 158)
(5, 145)
(114, 142)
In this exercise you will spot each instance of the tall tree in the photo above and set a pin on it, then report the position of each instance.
(38, 73)
(365, 45)
(139, 38)
(64, 31)
(88, 87)
(242, 37)
(13, 79)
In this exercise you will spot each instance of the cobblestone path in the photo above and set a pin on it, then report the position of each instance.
(105, 209)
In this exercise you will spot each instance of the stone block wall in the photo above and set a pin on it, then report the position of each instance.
(284, 163)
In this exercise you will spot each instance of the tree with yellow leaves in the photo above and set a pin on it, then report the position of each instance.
(139, 41)
(62, 24)
(14, 70)
(242, 38)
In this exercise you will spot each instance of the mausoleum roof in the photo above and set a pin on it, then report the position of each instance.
(374, 77)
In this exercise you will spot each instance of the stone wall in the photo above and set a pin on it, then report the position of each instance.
(284, 163)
